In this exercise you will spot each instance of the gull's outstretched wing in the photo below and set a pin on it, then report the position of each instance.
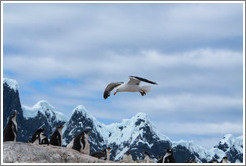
(136, 80)
(109, 88)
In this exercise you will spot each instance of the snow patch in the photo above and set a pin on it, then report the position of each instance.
(11, 83)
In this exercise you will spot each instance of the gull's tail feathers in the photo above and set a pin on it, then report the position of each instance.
(146, 88)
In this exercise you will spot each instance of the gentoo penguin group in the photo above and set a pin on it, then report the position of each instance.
(169, 158)
(127, 158)
(36, 136)
(105, 155)
(80, 142)
(56, 137)
(10, 130)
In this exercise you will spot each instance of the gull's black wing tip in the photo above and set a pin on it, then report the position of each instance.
(144, 80)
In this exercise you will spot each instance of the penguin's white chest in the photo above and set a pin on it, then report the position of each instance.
(70, 145)
(127, 158)
(14, 126)
(86, 148)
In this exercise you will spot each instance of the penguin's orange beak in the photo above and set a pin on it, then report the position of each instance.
(115, 92)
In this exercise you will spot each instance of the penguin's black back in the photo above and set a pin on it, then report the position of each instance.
(36, 135)
(8, 134)
(55, 138)
(76, 142)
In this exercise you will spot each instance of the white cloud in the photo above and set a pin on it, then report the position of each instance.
(49, 66)
(178, 103)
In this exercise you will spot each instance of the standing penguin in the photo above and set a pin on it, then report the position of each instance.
(85, 142)
(80, 142)
(147, 158)
(169, 158)
(10, 130)
(127, 158)
(36, 136)
(105, 155)
(56, 137)
(43, 139)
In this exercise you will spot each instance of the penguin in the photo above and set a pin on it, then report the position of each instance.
(11, 129)
(43, 139)
(169, 158)
(147, 158)
(224, 160)
(127, 158)
(80, 142)
(108, 153)
(104, 155)
(56, 137)
(85, 142)
(36, 136)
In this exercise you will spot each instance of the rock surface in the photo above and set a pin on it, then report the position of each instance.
(18, 152)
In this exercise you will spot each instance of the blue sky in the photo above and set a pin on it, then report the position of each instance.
(68, 53)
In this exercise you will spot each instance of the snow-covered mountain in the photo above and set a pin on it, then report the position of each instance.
(187, 150)
(45, 109)
(137, 134)
(29, 119)
(232, 146)
(42, 114)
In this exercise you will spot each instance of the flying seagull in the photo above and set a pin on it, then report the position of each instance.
(131, 86)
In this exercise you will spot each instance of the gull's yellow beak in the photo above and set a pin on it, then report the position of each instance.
(115, 92)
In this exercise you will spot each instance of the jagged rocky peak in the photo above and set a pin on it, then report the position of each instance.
(139, 118)
(44, 105)
(11, 83)
(80, 109)
(187, 150)
(229, 141)
(80, 113)
(45, 108)
(232, 146)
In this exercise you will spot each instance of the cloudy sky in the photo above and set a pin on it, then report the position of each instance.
(68, 53)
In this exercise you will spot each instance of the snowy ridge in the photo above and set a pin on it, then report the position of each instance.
(112, 133)
(201, 152)
(85, 113)
(128, 132)
(131, 129)
(229, 141)
(83, 110)
(44, 108)
(11, 83)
